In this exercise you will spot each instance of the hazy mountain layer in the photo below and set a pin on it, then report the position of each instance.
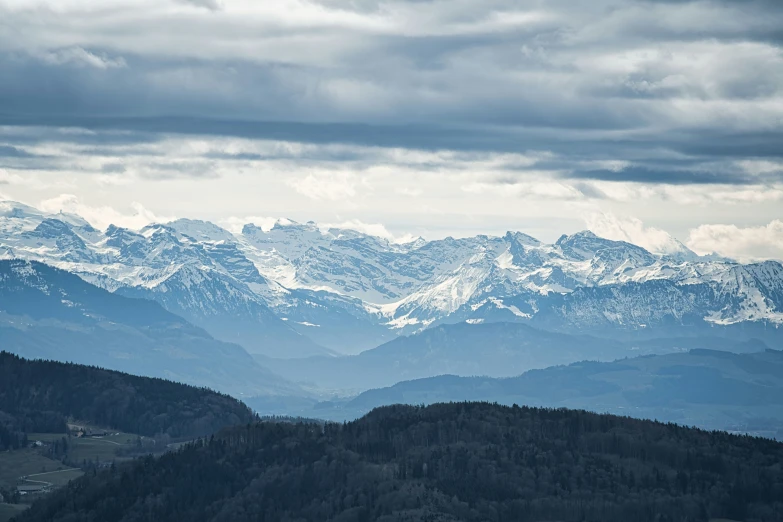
(705, 388)
(49, 313)
(495, 349)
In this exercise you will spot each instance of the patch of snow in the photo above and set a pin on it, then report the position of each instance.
(513, 309)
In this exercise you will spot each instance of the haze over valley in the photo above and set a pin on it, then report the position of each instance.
(298, 319)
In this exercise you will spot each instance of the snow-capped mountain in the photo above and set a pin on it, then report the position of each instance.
(298, 289)
(52, 314)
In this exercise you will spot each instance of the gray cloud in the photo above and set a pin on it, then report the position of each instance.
(641, 174)
(676, 89)
(8, 151)
(212, 5)
(113, 168)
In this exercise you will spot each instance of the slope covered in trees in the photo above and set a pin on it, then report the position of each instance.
(446, 462)
(38, 396)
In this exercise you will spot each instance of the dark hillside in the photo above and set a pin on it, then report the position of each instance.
(38, 396)
(446, 462)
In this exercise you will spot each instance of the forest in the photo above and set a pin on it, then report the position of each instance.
(444, 462)
(39, 396)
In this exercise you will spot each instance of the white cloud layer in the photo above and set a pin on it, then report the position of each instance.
(234, 224)
(102, 216)
(632, 230)
(333, 187)
(372, 229)
(741, 243)
(81, 57)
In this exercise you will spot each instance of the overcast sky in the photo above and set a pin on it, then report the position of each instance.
(432, 118)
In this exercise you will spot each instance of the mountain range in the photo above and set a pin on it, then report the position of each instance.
(298, 290)
(47, 313)
(710, 389)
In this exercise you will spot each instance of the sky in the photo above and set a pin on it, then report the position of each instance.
(638, 119)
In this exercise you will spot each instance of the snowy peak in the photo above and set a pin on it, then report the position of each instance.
(51, 229)
(12, 210)
(250, 230)
(286, 237)
(196, 230)
(521, 239)
(307, 275)
(586, 245)
(291, 225)
(675, 250)
(119, 233)
(413, 244)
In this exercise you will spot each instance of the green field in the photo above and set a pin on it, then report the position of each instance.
(55, 478)
(32, 462)
(14, 464)
(102, 449)
(116, 437)
(45, 437)
(8, 511)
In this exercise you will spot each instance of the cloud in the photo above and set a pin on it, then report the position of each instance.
(401, 108)
(606, 80)
(8, 151)
(103, 216)
(502, 186)
(81, 57)
(741, 243)
(12, 178)
(632, 230)
(672, 176)
(8, 179)
(212, 5)
(371, 229)
(334, 187)
(235, 224)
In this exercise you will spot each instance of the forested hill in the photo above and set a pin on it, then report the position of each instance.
(38, 396)
(446, 462)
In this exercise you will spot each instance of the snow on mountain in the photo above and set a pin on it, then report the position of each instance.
(336, 260)
(52, 314)
(348, 291)
(757, 290)
(197, 230)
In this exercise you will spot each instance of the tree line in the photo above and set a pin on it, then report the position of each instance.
(39, 396)
(445, 462)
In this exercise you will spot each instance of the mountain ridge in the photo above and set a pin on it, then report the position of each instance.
(49, 313)
(343, 291)
(711, 389)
